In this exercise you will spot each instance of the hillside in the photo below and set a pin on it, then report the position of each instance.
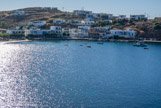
(31, 14)
(146, 29)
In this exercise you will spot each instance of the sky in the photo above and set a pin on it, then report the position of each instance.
(152, 8)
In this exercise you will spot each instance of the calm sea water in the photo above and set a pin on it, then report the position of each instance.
(63, 74)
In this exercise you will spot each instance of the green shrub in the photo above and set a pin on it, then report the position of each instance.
(157, 27)
(3, 24)
(104, 17)
(4, 35)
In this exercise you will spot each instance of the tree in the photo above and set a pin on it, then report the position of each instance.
(104, 16)
(28, 26)
(64, 34)
(4, 35)
(3, 24)
(157, 27)
(101, 24)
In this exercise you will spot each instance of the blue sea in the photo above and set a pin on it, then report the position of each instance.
(68, 74)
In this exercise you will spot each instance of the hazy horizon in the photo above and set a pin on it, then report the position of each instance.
(125, 7)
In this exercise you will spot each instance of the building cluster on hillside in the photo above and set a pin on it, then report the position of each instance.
(22, 12)
(80, 32)
(18, 13)
(83, 28)
(90, 14)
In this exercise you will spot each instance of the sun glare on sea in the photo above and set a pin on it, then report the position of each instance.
(12, 82)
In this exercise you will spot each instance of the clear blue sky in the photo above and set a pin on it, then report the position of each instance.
(117, 7)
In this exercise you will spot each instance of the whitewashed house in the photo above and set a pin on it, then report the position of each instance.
(65, 30)
(2, 30)
(110, 16)
(37, 23)
(131, 33)
(122, 17)
(128, 33)
(50, 8)
(37, 32)
(87, 22)
(59, 21)
(69, 21)
(18, 13)
(99, 32)
(73, 33)
(107, 21)
(76, 22)
(56, 29)
(137, 17)
(98, 15)
(11, 32)
(82, 13)
(83, 31)
(95, 15)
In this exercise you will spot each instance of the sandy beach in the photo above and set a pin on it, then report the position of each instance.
(9, 41)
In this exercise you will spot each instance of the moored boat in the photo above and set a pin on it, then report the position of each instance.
(140, 44)
(146, 48)
(88, 46)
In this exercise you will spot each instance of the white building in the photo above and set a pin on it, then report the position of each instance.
(83, 31)
(98, 15)
(50, 8)
(65, 30)
(87, 22)
(37, 23)
(37, 32)
(110, 16)
(33, 32)
(137, 17)
(18, 13)
(82, 13)
(2, 30)
(76, 22)
(69, 21)
(73, 32)
(58, 21)
(107, 21)
(99, 32)
(11, 32)
(56, 29)
(128, 33)
(122, 17)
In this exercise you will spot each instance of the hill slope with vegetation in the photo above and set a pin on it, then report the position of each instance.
(146, 28)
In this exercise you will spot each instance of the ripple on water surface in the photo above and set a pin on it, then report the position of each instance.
(65, 74)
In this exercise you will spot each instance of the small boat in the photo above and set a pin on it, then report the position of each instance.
(81, 45)
(88, 46)
(65, 45)
(146, 48)
(100, 40)
(140, 44)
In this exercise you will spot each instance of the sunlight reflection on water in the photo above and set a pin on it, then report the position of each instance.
(49, 74)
